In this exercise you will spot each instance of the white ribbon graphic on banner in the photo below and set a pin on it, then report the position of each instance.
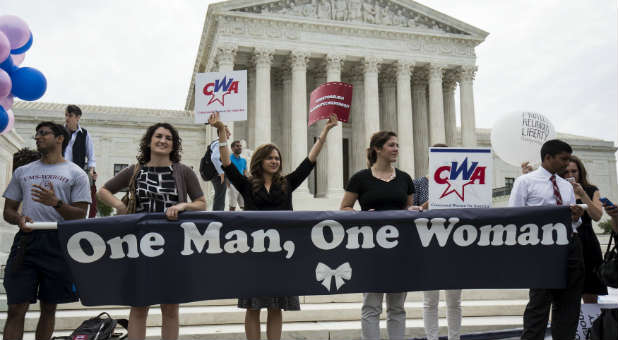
(325, 274)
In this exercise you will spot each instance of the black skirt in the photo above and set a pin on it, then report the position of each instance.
(592, 259)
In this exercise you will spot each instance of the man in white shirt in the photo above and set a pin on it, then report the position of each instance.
(81, 150)
(218, 183)
(544, 186)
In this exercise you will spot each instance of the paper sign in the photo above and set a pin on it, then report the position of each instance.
(460, 178)
(329, 98)
(588, 313)
(223, 92)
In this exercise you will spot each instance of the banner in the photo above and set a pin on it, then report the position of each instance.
(460, 178)
(144, 259)
(330, 98)
(223, 92)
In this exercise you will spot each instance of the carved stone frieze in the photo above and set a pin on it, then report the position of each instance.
(377, 12)
(269, 29)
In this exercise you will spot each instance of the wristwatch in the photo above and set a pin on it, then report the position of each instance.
(59, 204)
(222, 144)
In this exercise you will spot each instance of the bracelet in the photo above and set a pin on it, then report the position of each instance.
(222, 144)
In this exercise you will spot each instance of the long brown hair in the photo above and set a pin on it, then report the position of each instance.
(378, 140)
(257, 172)
(583, 175)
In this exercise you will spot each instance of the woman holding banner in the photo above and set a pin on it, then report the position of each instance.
(381, 187)
(267, 188)
(157, 183)
(588, 194)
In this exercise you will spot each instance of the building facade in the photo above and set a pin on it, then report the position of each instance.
(404, 60)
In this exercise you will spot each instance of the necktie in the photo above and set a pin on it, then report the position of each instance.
(556, 191)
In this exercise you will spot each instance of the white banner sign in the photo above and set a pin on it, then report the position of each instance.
(223, 92)
(460, 178)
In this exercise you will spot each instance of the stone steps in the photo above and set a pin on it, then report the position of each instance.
(468, 294)
(229, 315)
(328, 329)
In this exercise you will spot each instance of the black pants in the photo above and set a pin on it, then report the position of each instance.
(565, 303)
(218, 203)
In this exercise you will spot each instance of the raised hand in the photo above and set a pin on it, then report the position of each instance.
(214, 121)
(332, 122)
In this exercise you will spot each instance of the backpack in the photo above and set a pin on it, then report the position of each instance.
(98, 328)
(207, 169)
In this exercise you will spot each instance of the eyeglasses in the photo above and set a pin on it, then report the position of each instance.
(42, 133)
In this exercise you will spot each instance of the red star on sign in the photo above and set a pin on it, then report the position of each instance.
(453, 187)
(214, 97)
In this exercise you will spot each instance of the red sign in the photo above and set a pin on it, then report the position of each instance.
(334, 97)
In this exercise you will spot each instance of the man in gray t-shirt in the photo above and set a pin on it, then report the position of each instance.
(48, 190)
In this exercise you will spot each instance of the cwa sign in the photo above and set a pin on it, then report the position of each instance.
(223, 92)
(460, 178)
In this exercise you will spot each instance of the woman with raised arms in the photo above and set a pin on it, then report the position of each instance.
(267, 188)
(160, 183)
(381, 187)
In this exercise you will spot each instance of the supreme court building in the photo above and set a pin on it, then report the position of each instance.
(403, 59)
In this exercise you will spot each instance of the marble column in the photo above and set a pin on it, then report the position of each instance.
(286, 121)
(449, 83)
(357, 117)
(405, 123)
(334, 145)
(321, 167)
(421, 122)
(436, 106)
(263, 59)
(298, 63)
(225, 61)
(251, 106)
(466, 101)
(371, 123)
(388, 99)
(276, 99)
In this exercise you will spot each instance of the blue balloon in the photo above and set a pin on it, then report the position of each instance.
(24, 48)
(4, 119)
(28, 83)
(8, 65)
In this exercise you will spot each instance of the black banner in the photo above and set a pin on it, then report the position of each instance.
(145, 259)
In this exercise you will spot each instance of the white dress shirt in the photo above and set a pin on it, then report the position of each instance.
(535, 189)
(215, 156)
(68, 152)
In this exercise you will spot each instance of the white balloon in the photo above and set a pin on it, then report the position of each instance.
(517, 137)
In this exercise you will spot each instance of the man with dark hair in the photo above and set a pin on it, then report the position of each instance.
(49, 190)
(81, 147)
(234, 197)
(544, 187)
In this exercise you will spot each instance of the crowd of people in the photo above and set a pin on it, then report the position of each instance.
(56, 183)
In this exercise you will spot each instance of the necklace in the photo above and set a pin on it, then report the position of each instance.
(384, 178)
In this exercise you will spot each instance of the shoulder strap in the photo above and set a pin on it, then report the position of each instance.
(609, 244)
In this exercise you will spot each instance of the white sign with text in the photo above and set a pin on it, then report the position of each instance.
(223, 92)
(460, 178)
